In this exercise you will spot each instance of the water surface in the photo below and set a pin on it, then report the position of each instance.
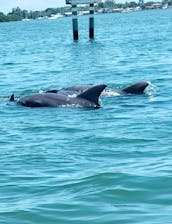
(71, 165)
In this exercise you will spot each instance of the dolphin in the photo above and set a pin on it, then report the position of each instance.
(71, 89)
(137, 88)
(86, 99)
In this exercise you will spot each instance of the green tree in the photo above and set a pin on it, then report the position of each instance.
(109, 4)
(3, 18)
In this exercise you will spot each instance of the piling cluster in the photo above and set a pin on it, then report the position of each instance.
(75, 21)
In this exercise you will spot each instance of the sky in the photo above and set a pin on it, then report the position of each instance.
(7, 5)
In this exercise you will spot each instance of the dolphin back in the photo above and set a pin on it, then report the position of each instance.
(78, 88)
(137, 88)
(70, 90)
(93, 94)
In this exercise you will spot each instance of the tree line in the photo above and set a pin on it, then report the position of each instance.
(18, 14)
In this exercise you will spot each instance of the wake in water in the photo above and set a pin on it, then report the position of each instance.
(151, 90)
(110, 93)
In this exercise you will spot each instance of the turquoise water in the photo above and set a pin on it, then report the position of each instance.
(71, 165)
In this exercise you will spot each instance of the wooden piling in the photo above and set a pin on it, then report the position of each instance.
(75, 22)
(91, 21)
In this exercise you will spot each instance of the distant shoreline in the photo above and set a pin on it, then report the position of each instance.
(18, 14)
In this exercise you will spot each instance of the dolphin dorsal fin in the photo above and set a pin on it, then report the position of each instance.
(92, 94)
(137, 88)
(12, 98)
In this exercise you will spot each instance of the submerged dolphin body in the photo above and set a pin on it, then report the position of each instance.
(71, 90)
(86, 99)
(137, 88)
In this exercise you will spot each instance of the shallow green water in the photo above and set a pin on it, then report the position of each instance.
(71, 165)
